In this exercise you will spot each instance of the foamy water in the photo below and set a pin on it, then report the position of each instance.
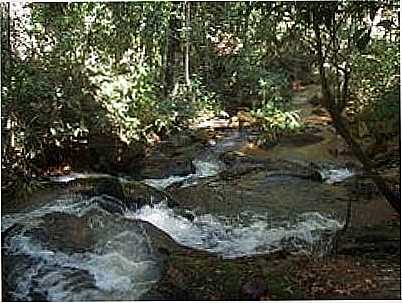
(332, 176)
(120, 265)
(74, 176)
(257, 234)
(203, 169)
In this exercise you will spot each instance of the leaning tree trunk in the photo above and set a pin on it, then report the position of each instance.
(335, 109)
(392, 198)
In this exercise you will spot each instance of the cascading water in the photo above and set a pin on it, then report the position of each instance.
(204, 168)
(249, 234)
(252, 234)
(73, 250)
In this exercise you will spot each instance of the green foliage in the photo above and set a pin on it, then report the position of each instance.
(273, 113)
(375, 90)
(79, 69)
(138, 112)
(194, 101)
(127, 92)
(273, 87)
(375, 72)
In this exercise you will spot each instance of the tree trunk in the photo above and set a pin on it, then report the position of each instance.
(342, 128)
(187, 55)
(393, 199)
(172, 47)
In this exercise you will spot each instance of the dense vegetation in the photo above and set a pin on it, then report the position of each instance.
(94, 84)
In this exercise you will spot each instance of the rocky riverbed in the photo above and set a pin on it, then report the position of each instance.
(209, 215)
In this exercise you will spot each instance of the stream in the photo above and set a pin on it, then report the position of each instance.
(74, 249)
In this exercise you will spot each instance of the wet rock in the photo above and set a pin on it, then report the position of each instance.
(240, 164)
(159, 166)
(111, 204)
(110, 187)
(240, 159)
(230, 157)
(257, 192)
(68, 233)
(139, 194)
(375, 241)
(202, 135)
(115, 196)
(60, 231)
(240, 169)
(312, 175)
(163, 243)
(260, 158)
(361, 187)
(96, 239)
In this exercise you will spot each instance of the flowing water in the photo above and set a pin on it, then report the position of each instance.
(71, 249)
(249, 234)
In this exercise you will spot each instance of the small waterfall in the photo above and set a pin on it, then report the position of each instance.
(203, 169)
(254, 234)
(76, 249)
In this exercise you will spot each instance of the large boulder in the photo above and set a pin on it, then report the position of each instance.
(115, 196)
(281, 193)
(65, 232)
